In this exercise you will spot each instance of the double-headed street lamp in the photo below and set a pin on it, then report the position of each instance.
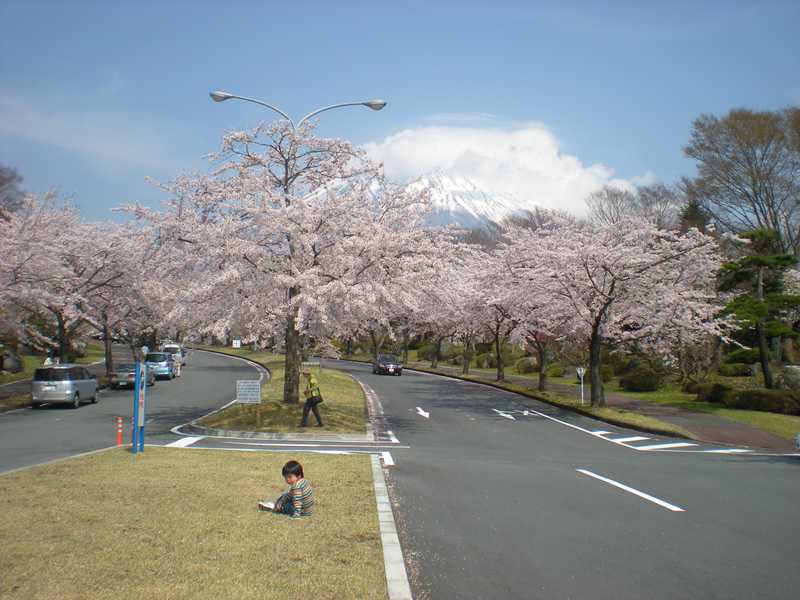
(222, 96)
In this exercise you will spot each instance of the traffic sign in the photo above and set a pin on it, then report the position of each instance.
(248, 391)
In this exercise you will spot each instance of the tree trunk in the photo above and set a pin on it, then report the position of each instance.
(107, 346)
(498, 346)
(542, 353)
(467, 358)
(405, 349)
(763, 349)
(63, 343)
(291, 377)
(437, 350)
(375, 346)
(595, 379)
(348, 350)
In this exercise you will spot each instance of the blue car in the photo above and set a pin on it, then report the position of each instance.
(161, 364)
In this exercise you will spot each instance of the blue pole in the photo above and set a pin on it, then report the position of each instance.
(143, 390)
(135, 433)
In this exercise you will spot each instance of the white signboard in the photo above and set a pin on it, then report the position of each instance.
(237, 343)
(248, 391)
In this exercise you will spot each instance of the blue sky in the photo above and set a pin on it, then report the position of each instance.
(96, 96)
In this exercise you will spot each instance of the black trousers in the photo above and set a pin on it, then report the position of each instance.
(312, 404)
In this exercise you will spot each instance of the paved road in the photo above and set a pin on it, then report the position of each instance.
(491, 507)
(32, 436)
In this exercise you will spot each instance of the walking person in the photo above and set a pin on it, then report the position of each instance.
(313, 398)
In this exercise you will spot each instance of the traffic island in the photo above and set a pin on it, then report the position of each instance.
(182, 524)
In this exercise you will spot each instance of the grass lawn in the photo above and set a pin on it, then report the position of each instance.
(182, 524)
(14, 401)
(343, 411)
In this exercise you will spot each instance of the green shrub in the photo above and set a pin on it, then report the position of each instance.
(485, 361)
(641, 379)
(777, 401)
(691, 387)
(425, 352)
(526, 365)
(713, 392)
(555, 371)
(742, 355)
(735, 370)
(625, 364)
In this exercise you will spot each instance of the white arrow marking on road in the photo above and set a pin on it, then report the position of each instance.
(388, 461)
(503, 414)
(421, 412)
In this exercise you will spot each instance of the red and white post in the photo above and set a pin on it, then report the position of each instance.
(119, 431)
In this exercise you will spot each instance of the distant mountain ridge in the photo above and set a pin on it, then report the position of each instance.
(459, 200)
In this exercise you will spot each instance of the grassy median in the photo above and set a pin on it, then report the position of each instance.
(343, 411)
(181, 524)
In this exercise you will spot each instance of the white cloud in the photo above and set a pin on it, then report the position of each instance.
(112, 138)
(525, 162)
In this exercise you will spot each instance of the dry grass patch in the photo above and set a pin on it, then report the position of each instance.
(343, 411)
(182, 524)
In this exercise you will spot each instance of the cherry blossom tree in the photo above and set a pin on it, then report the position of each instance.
(289, 229)
(622, 282)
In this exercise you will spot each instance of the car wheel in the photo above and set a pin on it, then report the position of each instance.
(35, 405)
(94, 397)
(76, 401)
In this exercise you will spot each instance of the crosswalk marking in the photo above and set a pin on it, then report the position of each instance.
(601, 432)
(185, 441)
(665, 446)
(633, 438)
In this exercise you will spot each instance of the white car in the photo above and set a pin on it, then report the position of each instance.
(178, 355)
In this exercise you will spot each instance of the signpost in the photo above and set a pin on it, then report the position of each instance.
(581, 371)
(248, 391)
(139, 403)
(237, 343)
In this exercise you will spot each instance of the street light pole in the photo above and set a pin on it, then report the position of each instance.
(219, 96)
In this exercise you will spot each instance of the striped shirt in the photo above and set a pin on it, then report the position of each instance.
(302, 498)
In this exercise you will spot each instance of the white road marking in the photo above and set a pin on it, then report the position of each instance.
(633, 438)
(333, 452)
(185, 441)
(633, 491)
(729, 451)
(294, 445)
(393, 438)
(421, 412)
(600, 432)
(504, 414)
(665, 446)
(388, 461)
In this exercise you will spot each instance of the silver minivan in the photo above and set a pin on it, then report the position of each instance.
(63, 384)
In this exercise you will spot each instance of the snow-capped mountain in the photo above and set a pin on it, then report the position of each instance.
(458, 200)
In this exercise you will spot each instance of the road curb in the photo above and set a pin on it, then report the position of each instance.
(394, 565)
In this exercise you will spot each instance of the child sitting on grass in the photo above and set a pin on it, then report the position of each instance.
(298, 501)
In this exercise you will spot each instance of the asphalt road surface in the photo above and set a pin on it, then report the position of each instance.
(32, 436)
(494, 507)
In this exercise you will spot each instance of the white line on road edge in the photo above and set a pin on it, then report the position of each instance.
(421, 412)
(301, 445)
(601, 432)
(665, 446)
(504, 414)
(388, 461)
(185, 441)
(633, 491)
(728, 451)
(393, 437)
(633, 438)
(394, 566)
(57, 460)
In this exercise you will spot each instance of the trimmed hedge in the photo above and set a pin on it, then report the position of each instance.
(526, 365)
(735, 370)
(556, 371)
(641, 379)
(742, 355)
(777, 401)
(713, 392)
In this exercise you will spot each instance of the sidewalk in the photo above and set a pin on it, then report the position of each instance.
(705, 427)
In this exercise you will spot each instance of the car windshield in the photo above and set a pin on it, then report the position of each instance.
(388, 358)
(126, 367)
(156, 357)
(172, 349)
(51, 375)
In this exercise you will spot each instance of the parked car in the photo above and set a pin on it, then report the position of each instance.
(63, 384)
(161, 363)
(178, 355)
(124, 375)
(387, 364)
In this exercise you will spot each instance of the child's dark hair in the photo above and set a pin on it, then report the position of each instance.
(292, 468)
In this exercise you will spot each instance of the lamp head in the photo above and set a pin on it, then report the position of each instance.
(375, 104)
(220, 96)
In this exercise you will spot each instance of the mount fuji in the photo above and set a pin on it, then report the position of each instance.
(459, 200)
